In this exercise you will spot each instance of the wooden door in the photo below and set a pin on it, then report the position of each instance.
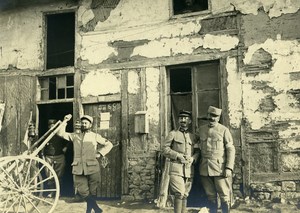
(107, 122)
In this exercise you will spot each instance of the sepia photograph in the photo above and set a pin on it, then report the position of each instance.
(149, 106)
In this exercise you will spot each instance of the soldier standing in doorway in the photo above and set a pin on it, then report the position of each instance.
(54, 154)
(179, 148)
(217, 161)
(88, 146)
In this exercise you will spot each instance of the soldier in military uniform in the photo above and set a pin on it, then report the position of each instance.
(217, 161)
(85, 164)
(54, 154)
(179, 148)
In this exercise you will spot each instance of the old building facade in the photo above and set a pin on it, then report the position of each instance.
(133, 64)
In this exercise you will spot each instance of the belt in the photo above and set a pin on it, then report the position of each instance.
(175, 161)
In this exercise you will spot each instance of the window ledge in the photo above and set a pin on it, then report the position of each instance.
(57, 71)
(185, 15)
(56, 101)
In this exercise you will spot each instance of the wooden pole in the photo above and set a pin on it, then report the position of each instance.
(163, 195)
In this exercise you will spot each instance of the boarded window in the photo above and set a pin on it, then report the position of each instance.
(57, 87)
(60, 40)
(189, 6)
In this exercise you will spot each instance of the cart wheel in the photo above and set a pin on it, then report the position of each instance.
(24, 186)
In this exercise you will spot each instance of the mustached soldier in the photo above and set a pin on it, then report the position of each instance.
(179, 147)
(217, 161)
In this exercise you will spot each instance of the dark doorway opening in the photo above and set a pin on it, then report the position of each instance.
(194, 87)
(58, 111)
(60, 40)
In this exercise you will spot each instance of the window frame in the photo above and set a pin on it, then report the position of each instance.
(182, 15)
(42, 89)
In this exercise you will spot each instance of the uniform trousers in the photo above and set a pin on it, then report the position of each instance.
(180, 186)
(58, 163)
(87, 184)
(217, 185)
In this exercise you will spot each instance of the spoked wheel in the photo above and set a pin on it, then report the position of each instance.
(24, 185)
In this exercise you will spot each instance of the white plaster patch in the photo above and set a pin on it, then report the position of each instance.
(290, 162)
(152, 90)
(222, 42)
(133, 82)
(100, 82)
(96, 50)
(251, 101)
(168, 47)
(85, 15)
(234, 89)
(143, 12)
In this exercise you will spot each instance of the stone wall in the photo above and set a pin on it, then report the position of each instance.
(276, 191)
(142, 177)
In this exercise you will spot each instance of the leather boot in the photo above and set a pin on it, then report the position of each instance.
(88, 205)
(212, 206)
(93, 204)
(184, 203)
(225, 206)
(177, 205)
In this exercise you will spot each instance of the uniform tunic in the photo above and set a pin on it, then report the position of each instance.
(55, 156)
(217, 154)
(181, 174)
(85, 164)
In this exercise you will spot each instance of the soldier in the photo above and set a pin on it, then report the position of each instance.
(85, 164)
(54, 154)
(179, 147)
(217, 161)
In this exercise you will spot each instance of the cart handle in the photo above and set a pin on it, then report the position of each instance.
(54, 130)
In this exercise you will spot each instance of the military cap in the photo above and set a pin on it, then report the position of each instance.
(214, 110)
(87, 117)
(184, 113)
(52, 121)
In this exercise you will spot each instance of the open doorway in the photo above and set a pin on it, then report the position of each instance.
(58, 111)
(194, 87)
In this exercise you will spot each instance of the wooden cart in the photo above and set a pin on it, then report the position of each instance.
(24, 185)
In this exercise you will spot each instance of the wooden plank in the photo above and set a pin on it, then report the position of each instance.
(143, 103)
(274, 177)
(176, 60)
(163, 126)
(57, 71)
(77, 105)
(97, 99)
(56, 101)
(124, 103)
(246, 164)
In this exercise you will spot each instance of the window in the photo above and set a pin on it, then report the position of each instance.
(189, 6)
(194, 87)
(60, 40)
(57, 87)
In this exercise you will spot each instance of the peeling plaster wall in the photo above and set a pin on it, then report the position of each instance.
(234, 89)
(100, 82)
(286, 55)
(270, 93)
(21, 37)
(153, 108)
(273, 8)
(165, 40)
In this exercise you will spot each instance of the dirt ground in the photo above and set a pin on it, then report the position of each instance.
(64, 206)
